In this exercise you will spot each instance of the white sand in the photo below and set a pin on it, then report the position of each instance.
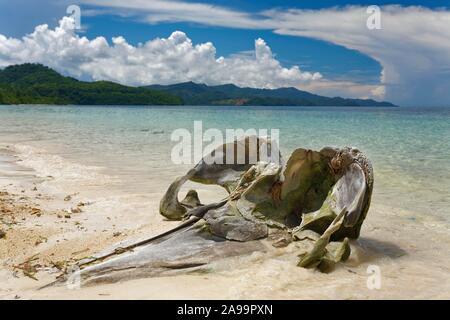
(410, 250)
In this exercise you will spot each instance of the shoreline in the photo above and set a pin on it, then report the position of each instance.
(409, 249)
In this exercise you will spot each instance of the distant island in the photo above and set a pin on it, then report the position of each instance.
(200, 94)
(37, 84)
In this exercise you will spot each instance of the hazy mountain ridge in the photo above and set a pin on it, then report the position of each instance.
(201, 94)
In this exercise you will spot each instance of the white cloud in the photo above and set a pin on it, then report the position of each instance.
(413, 47)
(162, 61)
(343, 88)
(155, 11)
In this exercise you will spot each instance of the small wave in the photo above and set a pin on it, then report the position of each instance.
(58, 168)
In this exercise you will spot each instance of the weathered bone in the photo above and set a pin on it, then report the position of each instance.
(191, 249)
(224, 172)
(319, 251)
(320, 196)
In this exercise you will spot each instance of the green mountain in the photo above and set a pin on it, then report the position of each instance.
(37, 84)
(229, 94)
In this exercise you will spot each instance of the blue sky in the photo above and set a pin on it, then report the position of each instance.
(335, 60)
(21, 16)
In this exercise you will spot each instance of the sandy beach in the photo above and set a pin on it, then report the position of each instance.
(45, 230)
(122, 172)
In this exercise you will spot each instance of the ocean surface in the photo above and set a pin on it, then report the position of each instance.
(127, 150)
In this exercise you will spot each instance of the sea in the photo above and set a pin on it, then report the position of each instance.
(128, 149)
(119, 160)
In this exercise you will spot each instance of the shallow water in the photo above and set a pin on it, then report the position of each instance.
(119, 157)
(128, 148)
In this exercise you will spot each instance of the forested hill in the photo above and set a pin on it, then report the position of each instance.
(37, 84)
(229, 94)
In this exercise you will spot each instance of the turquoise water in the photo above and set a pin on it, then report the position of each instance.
(409, 147)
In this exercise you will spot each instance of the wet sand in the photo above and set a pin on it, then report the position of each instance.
(45, 229)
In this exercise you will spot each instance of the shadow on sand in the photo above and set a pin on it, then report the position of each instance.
(370, 249)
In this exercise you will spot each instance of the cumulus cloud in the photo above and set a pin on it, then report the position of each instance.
(413, 46)
(161, 60)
